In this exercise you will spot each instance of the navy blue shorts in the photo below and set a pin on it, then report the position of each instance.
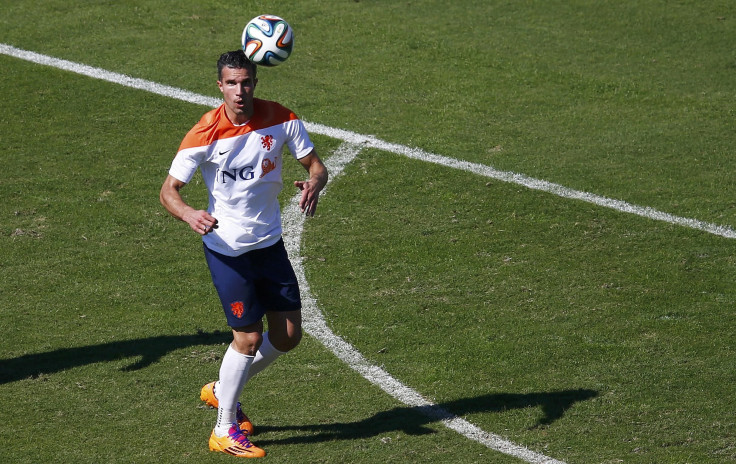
(253, 283)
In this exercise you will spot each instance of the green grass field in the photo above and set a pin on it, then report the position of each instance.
(583, 333)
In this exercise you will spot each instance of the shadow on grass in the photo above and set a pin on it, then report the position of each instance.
(149, 350)
(410, 420)
(414, 420)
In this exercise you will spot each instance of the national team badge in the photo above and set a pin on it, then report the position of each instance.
(267, 142)
(237, 309)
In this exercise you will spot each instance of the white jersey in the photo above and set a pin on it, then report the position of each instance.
(241, 167)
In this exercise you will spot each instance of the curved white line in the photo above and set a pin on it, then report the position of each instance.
(316, 326)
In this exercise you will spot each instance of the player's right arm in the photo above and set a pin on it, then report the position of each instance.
(199, 220)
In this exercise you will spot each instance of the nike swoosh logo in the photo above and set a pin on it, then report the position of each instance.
(224, 152)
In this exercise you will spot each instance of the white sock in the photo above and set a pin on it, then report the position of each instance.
(233, 375)
(264, 357)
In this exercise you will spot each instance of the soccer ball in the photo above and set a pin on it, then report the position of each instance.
(267, 40)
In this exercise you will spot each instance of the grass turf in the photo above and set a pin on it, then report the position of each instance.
(585, 334)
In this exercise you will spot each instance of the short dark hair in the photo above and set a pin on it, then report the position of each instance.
(237, 60)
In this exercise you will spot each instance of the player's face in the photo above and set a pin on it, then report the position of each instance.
(237, 86)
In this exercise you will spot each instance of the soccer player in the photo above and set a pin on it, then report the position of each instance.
(238, 147)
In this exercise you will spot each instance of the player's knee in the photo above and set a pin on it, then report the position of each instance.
(246, 342)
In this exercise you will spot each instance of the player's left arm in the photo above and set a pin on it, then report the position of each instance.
(310, 188)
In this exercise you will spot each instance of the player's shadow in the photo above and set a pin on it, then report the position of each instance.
(410, 420)
(147, 350)
(415, 420)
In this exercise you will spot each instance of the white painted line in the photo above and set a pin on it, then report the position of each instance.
(373, 142)
(316, 326)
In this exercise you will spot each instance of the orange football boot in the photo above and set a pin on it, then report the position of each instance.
(236, 443)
